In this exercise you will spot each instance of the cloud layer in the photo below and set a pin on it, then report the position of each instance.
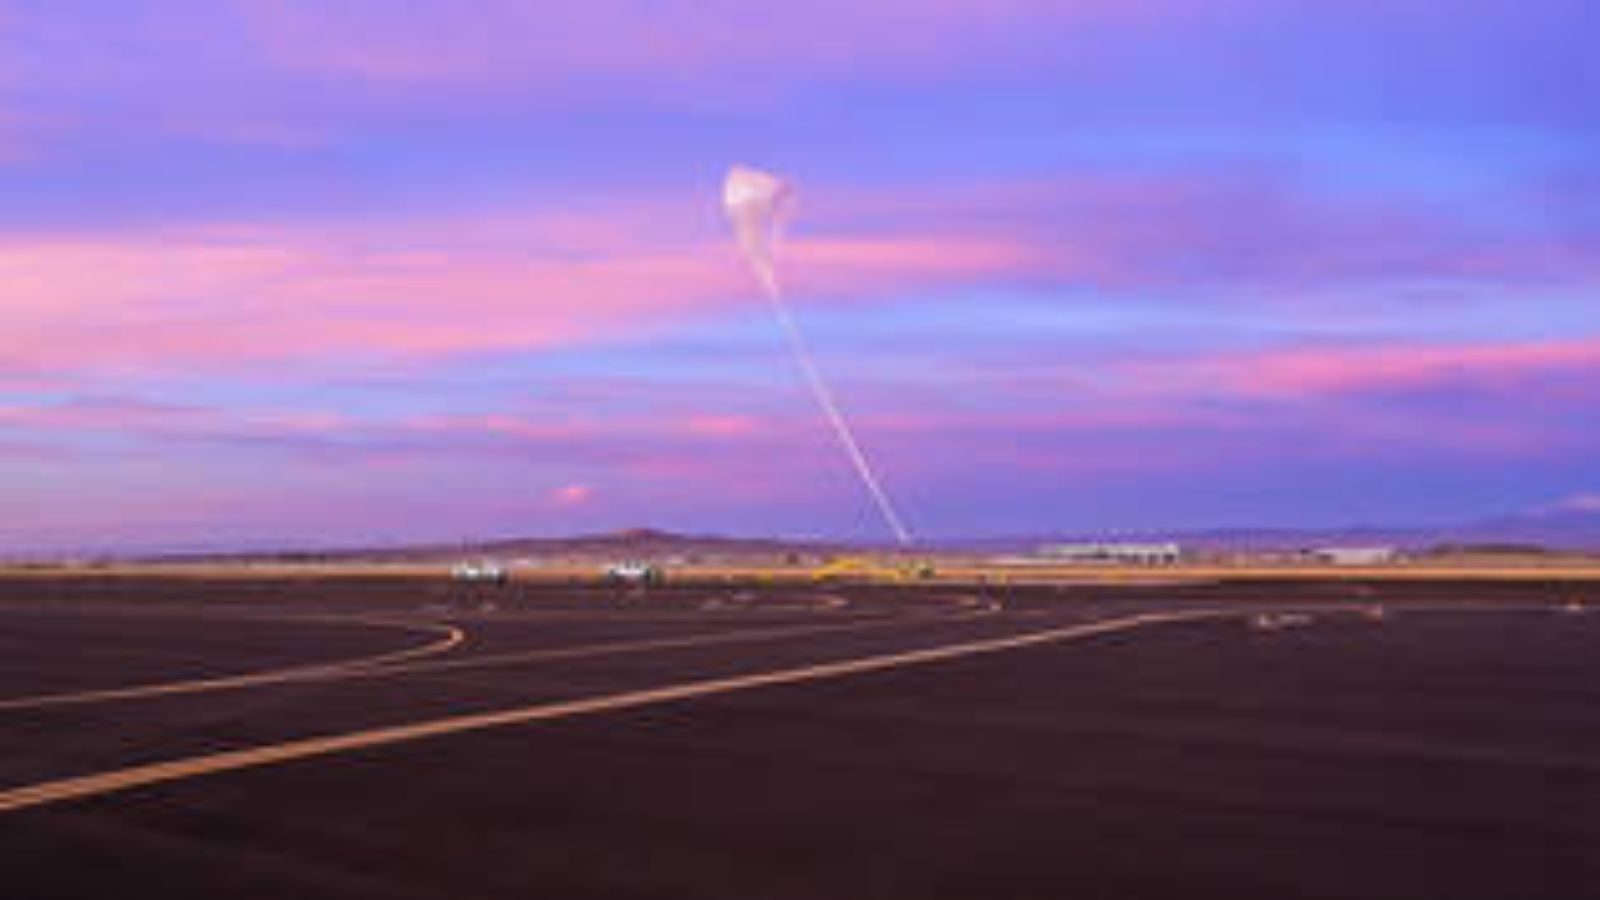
(276, 270)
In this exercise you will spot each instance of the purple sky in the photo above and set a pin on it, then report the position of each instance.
(284, 271)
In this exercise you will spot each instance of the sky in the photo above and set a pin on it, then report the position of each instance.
(338, 272)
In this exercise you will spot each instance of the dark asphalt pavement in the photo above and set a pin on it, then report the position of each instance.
(1450, 750)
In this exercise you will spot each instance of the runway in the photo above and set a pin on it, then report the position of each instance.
(435, 741)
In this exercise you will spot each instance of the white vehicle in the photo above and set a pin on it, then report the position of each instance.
(641, 573)
(483, 570)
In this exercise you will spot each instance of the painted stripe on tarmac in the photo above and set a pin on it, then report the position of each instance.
(390, 664)
(646, 645)
(85, 786)
(452, 638)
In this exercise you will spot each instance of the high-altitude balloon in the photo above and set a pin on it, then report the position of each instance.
(757, 203)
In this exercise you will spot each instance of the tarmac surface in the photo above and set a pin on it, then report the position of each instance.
(387, 738)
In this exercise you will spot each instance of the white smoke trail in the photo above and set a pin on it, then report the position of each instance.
(756, 203)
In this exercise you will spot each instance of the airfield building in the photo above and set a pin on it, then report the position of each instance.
(1355, 556)
(1113, 553)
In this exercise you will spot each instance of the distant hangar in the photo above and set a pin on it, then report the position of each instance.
(1113, 553)
(1355, 556)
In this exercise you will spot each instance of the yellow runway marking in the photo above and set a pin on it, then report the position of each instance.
(94, 785)
(618, 648)
(387, 665)
(452, 638)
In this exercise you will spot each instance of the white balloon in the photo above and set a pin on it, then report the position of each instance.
(757, 203)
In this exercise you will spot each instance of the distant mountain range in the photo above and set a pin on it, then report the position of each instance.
(632, 543)
(1556, 529)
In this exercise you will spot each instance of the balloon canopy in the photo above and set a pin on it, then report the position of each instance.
(752, 192)
(756, 203)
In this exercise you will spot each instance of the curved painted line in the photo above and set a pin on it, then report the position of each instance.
(619, 648)
(385, 665)
(101, 783)
(453, 637)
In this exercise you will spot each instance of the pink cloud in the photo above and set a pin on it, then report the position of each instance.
(1236, 228)
(102, 413)
(1183, 417)
(13, 450)
(512, 43)
(219, 71)
(225, 296)
(1320, 371)
(724, 426)
(221, 296)
(572, 495)
(892, 262)
(80, 427)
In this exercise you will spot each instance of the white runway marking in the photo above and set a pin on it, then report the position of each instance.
(98, 784)
(452, 638)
